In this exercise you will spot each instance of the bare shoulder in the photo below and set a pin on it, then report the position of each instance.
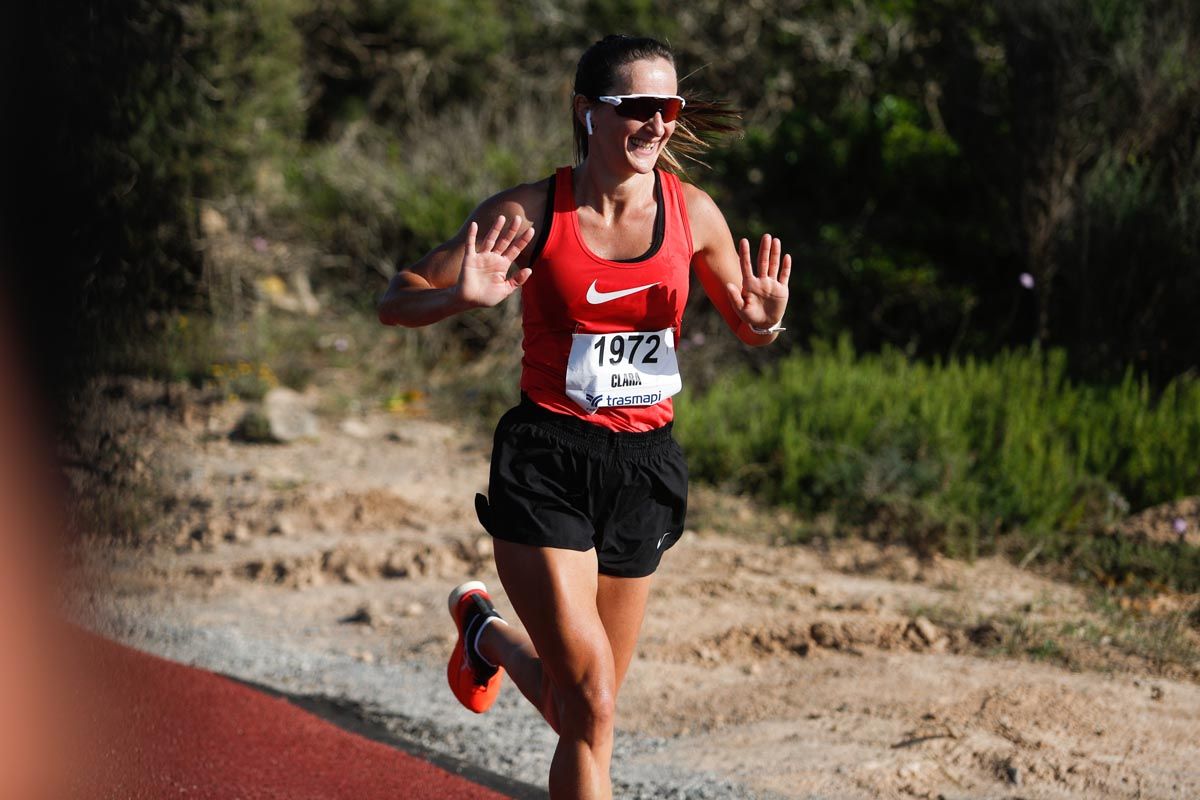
(706, 220)
(526, 200)
(694, 196)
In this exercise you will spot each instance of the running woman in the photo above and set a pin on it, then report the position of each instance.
(588, 488)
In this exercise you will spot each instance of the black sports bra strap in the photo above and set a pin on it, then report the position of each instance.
(660, 224)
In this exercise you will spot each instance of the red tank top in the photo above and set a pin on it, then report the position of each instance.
(572, 290)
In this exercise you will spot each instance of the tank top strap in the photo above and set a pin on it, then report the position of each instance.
(564, 191)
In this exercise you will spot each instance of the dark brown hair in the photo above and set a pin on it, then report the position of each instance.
(699, 123)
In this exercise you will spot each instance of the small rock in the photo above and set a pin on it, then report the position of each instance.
(484, 547)
(240, 532)
(281, 418)
(823, 634)
(928, 632)
(398, 565)
(413, 610)
(282, 527)
(1156, 693)
(356, 428)
(1012, 773)
(363, 615)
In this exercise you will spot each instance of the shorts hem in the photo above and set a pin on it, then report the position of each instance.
(627, 573)
(541, 541)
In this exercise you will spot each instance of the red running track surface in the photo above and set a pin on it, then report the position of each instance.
(165, 730)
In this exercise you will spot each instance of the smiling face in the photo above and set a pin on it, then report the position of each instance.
(624, 144)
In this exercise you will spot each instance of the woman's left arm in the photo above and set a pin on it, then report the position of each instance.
(748, 294)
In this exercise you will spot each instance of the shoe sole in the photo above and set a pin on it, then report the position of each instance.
(461, 591)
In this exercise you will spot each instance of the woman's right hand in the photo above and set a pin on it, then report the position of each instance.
(483, 279)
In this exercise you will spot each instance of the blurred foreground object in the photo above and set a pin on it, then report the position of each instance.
(33, 729)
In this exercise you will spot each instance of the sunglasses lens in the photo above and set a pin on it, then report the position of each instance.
(643, 108)
(671, 109)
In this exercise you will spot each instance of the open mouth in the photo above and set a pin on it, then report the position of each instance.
(642, 146)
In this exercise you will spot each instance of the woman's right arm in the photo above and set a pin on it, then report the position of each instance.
(463, 273)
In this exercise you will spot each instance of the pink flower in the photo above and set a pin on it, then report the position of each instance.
(1026, 280)
(259, 244)
(1180, 526)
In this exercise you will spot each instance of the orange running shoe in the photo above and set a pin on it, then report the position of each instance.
(474, 682)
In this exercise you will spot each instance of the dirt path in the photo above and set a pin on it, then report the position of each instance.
(843, 671)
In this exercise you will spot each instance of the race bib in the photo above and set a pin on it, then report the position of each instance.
(622, 369)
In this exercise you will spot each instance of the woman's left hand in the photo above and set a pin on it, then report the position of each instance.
(763, 296)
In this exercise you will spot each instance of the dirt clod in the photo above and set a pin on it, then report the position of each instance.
(823, 634)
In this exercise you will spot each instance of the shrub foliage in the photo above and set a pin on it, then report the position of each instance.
(949, 456)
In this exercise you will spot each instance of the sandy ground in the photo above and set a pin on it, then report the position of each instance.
(845, 670)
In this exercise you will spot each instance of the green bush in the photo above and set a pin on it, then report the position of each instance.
(948, 455)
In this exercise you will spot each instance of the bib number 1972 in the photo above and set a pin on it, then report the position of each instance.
(620, 348)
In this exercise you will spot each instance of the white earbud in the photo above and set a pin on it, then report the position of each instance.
(587, 118)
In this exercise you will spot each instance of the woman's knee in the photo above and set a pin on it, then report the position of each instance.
(587, 709)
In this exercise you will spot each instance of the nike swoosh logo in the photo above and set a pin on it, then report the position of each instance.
(596, 297)
(663, 539)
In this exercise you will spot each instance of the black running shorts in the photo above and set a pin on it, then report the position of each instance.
(558, 481)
